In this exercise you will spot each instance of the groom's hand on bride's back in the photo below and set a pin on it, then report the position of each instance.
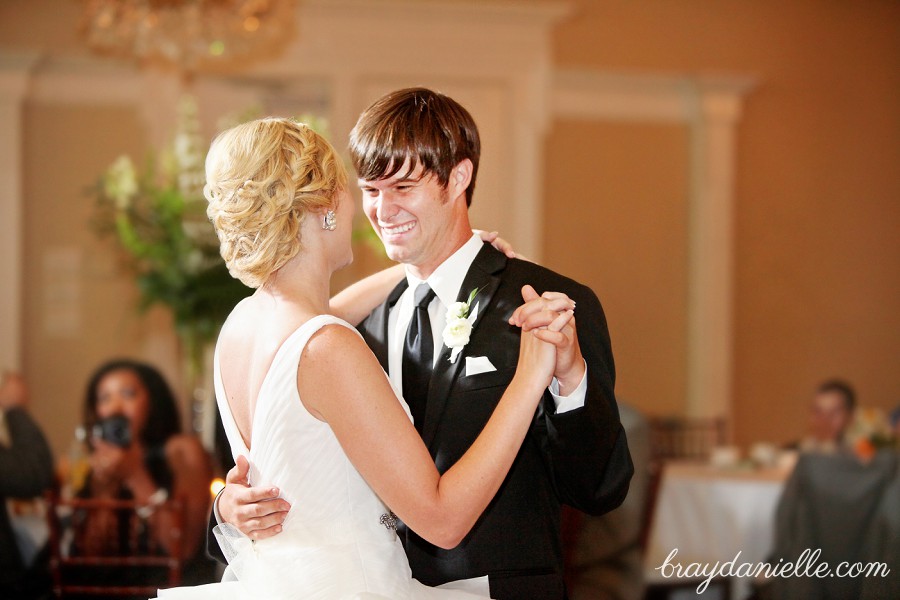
(257, 512)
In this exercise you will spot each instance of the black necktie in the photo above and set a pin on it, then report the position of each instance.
(418, 350)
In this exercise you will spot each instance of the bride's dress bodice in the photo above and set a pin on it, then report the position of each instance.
(333, 540)
(334, 544)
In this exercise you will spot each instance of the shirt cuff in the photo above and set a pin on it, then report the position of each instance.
(573, 400)
(216, 507)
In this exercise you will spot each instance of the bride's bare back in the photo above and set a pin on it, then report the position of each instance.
(248, 343)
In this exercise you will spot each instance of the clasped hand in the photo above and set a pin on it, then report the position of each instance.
(551, 317)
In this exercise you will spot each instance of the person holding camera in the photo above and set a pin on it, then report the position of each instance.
(137, 452)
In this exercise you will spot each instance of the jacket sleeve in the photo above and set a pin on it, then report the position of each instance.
(26, 466)
(586, 448)
(212, 544)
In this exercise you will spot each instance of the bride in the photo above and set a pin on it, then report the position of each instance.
(305, 399)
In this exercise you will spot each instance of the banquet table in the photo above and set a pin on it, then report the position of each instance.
(710, 514)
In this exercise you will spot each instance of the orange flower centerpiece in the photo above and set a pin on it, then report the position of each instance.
(869, 433)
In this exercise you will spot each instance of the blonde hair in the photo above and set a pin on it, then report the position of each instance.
(262, 178)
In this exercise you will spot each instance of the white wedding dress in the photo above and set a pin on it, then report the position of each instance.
(334, 545)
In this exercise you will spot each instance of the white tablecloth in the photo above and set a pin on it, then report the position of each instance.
(710, 515)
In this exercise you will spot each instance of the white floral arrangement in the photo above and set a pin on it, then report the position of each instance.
(157, 219)
(458, 330)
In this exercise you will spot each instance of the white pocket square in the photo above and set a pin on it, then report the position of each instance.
(478, 364)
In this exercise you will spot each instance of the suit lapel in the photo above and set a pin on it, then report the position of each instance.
(483, 276)
(378, 324)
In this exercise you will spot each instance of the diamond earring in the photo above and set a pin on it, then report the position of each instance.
(330, 221)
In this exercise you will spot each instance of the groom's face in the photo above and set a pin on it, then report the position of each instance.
(411, 213)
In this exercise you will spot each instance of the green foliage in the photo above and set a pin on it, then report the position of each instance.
(158, 221)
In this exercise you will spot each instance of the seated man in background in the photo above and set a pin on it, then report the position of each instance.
(26, 470)
(831, 413)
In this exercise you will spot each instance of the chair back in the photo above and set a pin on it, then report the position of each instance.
(122, 558)
(684, 438)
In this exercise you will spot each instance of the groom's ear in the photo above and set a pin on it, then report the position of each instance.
(460, 177)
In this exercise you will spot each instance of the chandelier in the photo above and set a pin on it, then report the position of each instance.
(188, 34)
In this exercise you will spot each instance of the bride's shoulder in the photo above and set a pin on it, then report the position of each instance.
(336, 341)
(335, 334)
(337, 354)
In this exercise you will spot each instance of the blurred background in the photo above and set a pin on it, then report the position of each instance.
(722, 173)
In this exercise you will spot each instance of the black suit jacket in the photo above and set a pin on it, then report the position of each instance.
(579, 457)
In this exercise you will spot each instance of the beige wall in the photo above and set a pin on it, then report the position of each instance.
(615, 218)
(818, 191)
(79, 300)
(817, 285)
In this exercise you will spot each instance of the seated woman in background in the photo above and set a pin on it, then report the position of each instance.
(137, 452)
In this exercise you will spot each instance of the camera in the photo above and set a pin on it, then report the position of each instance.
(114, 429)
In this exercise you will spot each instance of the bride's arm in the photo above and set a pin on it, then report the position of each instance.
(360, 407)
(356, 301)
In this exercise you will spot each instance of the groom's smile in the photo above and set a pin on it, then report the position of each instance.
(397, 230)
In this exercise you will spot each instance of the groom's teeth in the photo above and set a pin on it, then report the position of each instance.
(400, 229)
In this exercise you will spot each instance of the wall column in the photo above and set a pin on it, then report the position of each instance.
(15, 70)
(717, 109)
(710, 107)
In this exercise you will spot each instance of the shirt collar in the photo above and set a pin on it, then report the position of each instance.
(448, 277)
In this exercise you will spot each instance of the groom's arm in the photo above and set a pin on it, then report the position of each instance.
(586, 447)
(212, 545)
(582, 438)
(257, 512)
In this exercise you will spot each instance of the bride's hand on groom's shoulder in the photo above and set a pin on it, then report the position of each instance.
(257, 512)
(493, 238)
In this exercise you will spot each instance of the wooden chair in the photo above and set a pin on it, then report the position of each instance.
(683, 438)
(121, 561)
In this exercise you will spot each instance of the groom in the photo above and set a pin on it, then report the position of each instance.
(416, 153)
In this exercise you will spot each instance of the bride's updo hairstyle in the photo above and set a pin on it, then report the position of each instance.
(262, 178)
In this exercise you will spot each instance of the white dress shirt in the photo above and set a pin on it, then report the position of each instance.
(446, 282)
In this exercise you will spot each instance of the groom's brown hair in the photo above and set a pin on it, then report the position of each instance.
(420, 125)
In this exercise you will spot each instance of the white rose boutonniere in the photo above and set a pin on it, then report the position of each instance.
(459, 325)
